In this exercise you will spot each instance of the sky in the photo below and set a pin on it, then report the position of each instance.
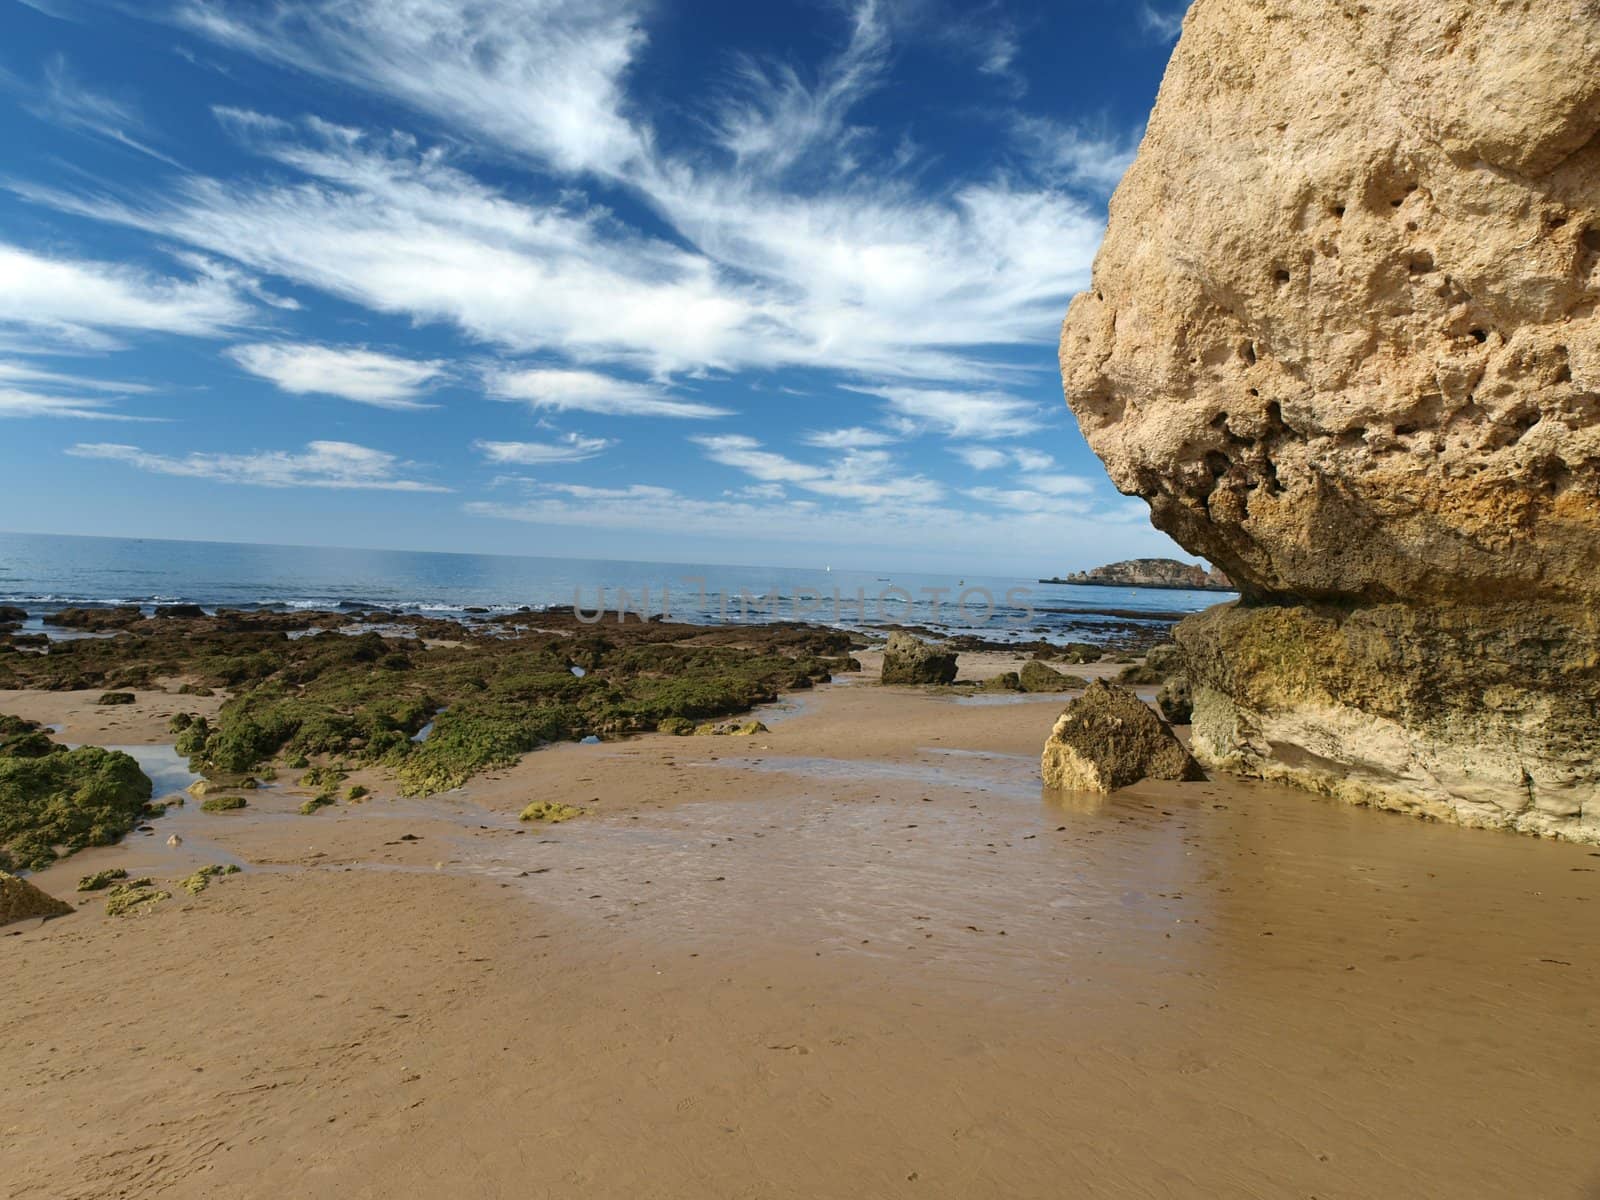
(772, 284)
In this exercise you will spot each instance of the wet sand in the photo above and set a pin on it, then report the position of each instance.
(863, 954)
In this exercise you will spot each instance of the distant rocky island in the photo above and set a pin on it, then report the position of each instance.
(1152, 573)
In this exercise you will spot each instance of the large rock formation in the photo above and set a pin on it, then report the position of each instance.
(1342, 337)
(1151, 573)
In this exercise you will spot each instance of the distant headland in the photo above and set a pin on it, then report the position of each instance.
(1152, 573)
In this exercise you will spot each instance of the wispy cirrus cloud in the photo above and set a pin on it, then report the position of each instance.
(570, 448)
(852, 438)
(1164, 22)
(84, 303)
(992, 458)
(863, 475)
(63, 99)
(982, 416)
(27, 390)
(564, 390)
(351, 373)
(860, 270)
(323, 464)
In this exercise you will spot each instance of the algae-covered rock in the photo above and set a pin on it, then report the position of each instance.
(134, 898)
(64, 800)
(729, 729)
(315, 803)
(357, 792)
(1176, 700)
(1165, 659)
(219, 804)
(1140, 674)
(1006, 681)
(116, 698)
(201, 879)
(550, 811)
(101, 880)
(1036, 677)
(20, 900)
(906, 660)
(676, 726)
(1108, 738)
(1081, 652)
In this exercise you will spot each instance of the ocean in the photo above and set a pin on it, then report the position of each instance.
(44, 573)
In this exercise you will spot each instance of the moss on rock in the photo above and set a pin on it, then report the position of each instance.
(550, 811)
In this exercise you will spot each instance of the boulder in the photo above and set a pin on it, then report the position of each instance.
(20, 900)
(1175, 701)
(1108, 738)
(908, 660)
(1006, 681)
(1036, 677)
(1164, 659)
(1343, 338)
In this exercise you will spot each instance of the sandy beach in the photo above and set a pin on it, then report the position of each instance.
(862, 954)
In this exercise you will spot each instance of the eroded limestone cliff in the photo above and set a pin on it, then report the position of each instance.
(1342, 336)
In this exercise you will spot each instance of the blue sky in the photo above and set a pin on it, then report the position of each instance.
(754, 283)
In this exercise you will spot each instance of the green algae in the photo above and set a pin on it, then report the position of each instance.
(494, 693)
(101, 880)
(550, 811)
(315, 803)
(201, 879)
(218, 804)
(116, 698)
(357, 792)
(133, 899)
(59, 801)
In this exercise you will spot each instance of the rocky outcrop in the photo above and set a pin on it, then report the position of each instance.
(1152, 573)
(1176, 700)
(1036, 677)
(1108, 738)
(908, 660)
(20, 900)
(1342, 337)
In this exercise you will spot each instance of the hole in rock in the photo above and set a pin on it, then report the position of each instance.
(1557, 222)
(1591, 240)
(1404, 430)
(1421, 263)
(1280, 275)
(1479, 335)
(1248, 353)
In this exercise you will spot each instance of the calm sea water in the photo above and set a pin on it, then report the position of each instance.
(43, 573)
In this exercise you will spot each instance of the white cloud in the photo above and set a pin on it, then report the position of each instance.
(864, 475)
(1032, 460)
(991, 458)
(46, 393)
(590, 391)
(1071, 155)
(76, 301)
(1093, 535)
(853, 438)
(342, 465)
(540, 76)
(65, 100)
(352, 373)
(571, 448)
(981, 458)
(1163, 24)
(860, 270)
(1029, 501)
(982, 416)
